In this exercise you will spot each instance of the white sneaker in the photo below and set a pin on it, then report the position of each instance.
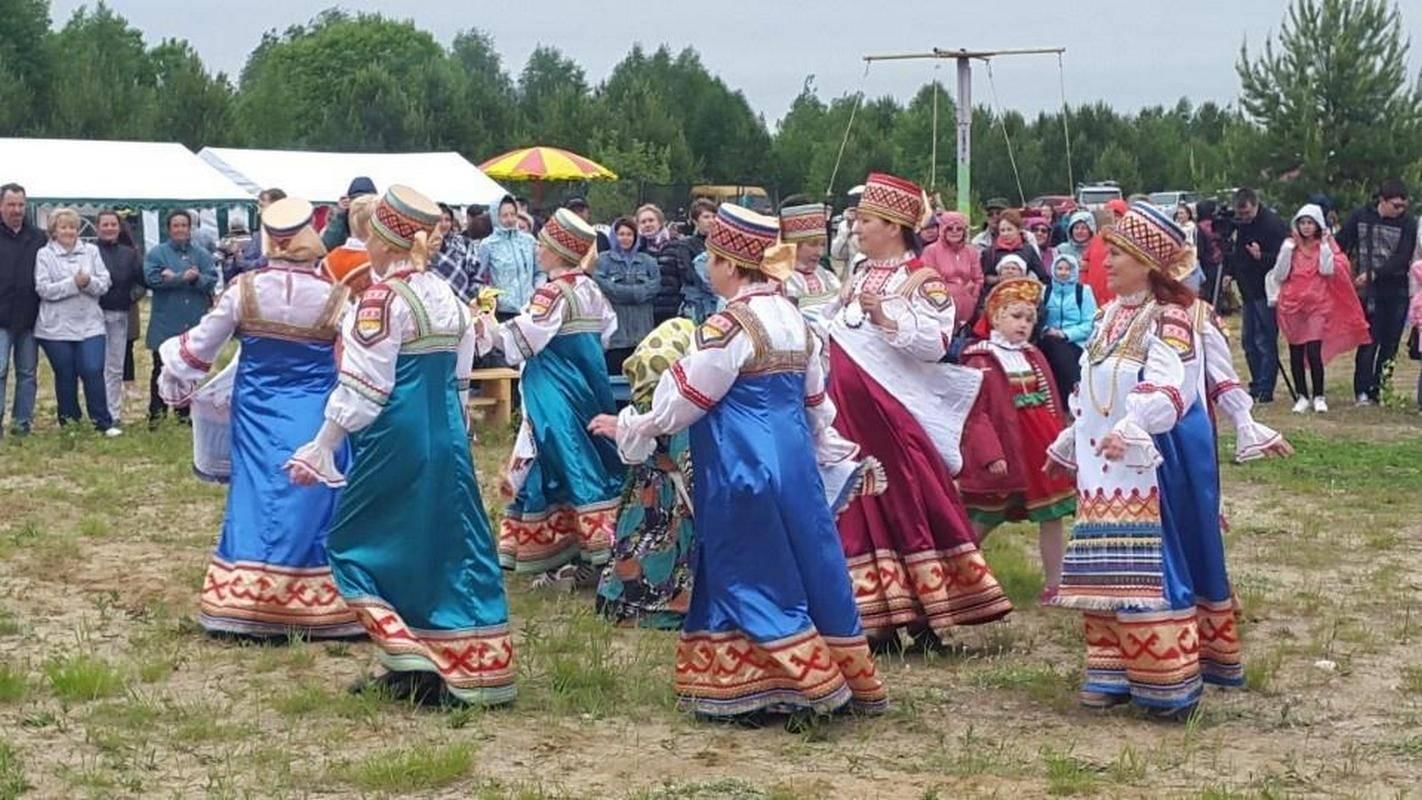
(113, 432)
(1301, 405)
(1320, 405)
(1363, 401)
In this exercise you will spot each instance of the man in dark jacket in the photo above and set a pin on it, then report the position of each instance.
(1379, 240)
(338, 226)
(19, 304)
(1258, 235)
(678, 255)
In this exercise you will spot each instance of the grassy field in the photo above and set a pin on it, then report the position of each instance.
(108, 689)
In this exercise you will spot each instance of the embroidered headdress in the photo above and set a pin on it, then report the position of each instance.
(893, 200)
(1014, 290)
(402, 213)
(1150, 236)
(568, 235)
(803, 223)
(742, 237)
(287, 232)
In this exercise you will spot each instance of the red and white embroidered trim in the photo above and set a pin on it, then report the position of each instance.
(683, 385)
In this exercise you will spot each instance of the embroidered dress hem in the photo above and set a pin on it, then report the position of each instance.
(728, 674)
(266, 600)
(944, 588)
(997, 509)
(558, 536)
(476, 664)
(1162, 659)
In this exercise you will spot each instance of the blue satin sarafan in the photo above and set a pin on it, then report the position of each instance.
(772, 624)
(269, 573)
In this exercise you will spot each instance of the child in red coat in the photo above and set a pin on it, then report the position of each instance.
(1017, 415)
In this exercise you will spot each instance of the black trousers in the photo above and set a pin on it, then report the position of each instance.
(1310, 353)
(157, 409)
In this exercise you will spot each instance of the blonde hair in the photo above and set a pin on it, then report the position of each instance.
(361, 210)
(661, 218)
(421, 246)
(61, 214)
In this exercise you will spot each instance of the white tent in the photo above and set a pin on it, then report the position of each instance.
(323, 177)
(148, 177)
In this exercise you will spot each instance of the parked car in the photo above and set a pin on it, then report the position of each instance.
(1171, 200)
(1095, 196)
(1063, 203)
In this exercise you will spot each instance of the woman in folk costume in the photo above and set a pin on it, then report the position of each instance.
(912, 552)
(1018, 415)
(810, 285)
(566, 508)
(349, 264)
(269, 575)
(648, 581)
(1145, 563)
(410, 545)
(772, 624)
(1311, 285)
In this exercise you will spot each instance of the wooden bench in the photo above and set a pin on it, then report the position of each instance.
(495, 398)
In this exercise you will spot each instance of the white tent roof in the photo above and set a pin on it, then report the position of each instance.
(323, 177)
(138, 173)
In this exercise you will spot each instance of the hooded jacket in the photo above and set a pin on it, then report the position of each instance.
(509, 256)
(1069, 305)
(630, 280)
(1090, 257)
(961, 267)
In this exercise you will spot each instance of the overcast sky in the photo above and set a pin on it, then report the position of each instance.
(1130, 54)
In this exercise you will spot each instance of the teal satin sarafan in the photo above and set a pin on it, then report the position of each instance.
(411, 548)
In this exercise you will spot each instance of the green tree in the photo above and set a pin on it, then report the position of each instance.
(489, 96)
(192, 106)
(25, 66)
(103, 87)
(1332, 98)
(349, 82)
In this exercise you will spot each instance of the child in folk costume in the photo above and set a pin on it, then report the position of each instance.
(1319, 313)
(912, 551)
(810, 285)
(269, 576)
(1145, 563)
(1018, 415)
(772, 624)
(349, 264)
(566, 508)
(410, 545)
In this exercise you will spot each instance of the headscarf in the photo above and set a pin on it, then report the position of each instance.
(948, 218)
(1068, 286)
(662, 348)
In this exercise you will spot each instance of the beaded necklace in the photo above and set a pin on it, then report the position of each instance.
(1129, 341)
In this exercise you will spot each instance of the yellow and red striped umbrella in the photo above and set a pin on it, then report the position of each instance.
(545, 164)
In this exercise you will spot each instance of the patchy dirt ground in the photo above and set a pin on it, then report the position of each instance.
(107, 688)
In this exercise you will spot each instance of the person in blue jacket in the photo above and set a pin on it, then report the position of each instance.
(1068, 313)
(630, 279)
(182, 277)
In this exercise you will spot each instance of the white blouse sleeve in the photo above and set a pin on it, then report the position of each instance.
(1167, 390)
(1231, 398)
(189, 356)
(370, 346)
(924, 320)
(609, 323)
(688, 390)
(830, 447)
(525, 336)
